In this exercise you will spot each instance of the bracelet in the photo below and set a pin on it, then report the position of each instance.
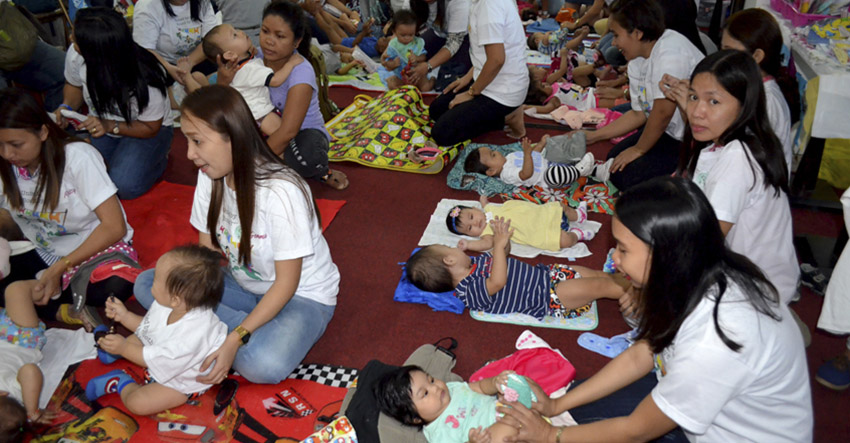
(626, 93)
(67, 263)
(68, 107)
(558, 435)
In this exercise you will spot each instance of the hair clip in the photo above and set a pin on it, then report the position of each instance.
(455, 212)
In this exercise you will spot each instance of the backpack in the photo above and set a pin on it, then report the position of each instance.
(317, 60)
(17, 38)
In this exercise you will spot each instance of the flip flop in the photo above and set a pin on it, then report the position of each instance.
(609, 347)
(335, 179)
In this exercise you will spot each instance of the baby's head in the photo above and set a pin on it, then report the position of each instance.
(430, 268)
(485, 161)
(463, 220)
(411, 396)
(537, 90)
(228, 42)
(404, 26)
(189, 275)
(13, 418)
(534, 40)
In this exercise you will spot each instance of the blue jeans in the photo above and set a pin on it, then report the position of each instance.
(45, 73)
(275, 348)
(135, 164)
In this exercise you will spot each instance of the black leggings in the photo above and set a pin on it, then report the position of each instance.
(662, 159)
(26, 265)
(307, 153)
(466, 120)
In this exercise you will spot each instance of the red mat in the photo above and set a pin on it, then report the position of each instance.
(160, 219)
(286, 412)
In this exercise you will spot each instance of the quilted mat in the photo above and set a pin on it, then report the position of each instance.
(378, 132)
(599, 196)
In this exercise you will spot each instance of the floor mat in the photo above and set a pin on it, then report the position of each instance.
(160, 219)
(286, 412)
(378, 132)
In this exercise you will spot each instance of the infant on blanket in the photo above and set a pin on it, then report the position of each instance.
(545, 226)
(496, 284)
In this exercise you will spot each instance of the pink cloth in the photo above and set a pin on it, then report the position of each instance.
(543, 365)
(610, 116)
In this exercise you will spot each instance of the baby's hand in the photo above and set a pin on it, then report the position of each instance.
(502, 232)
(462, 244)
(479, 435)
(526, 145)
(112, 343)
(582, 33)
(501, 380)
(115, 309)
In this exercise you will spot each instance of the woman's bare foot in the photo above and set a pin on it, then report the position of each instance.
(516, 124)
(336, 179)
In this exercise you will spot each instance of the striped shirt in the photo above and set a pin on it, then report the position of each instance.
(526, 290)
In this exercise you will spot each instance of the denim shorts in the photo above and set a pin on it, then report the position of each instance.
(32, 338)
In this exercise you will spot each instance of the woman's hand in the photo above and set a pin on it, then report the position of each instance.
(49, 284)
(458, 84)
(418, 71)
(95, 127)
(675, 90)
(42, 417)
(624, 158)
(223, 358)
(531, 428)
(112, 343)
(460, 98)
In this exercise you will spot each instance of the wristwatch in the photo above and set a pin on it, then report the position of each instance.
(115, 128)
(244, 334)
(471, 91)
(430, 68)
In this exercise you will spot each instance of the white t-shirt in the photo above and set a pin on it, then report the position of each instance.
(761, 220)
(760, 393)
(158, 106)
(455, 18)
(171, 37)
(174, 353)
(285, 227)
(672, 54)
(513, 166)
(836, 301)
(85, 185)
(493, 22)
(780, 118)
(250, 81)
(14, 358)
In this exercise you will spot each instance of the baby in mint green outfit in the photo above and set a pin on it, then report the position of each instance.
(450, 412)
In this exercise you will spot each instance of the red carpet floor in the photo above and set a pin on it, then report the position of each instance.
(385, 214)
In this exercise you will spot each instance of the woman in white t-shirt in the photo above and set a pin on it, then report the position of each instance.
(639, 33)
(172, 29)
(59, 195)
(728, 358)
(755, 31)
(446, 40)
(124, 88)
(281, 285)
(733, 155)
(491, 93)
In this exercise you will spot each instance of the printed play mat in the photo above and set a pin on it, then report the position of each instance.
(306, 403)
(379, 132)
(599, 196)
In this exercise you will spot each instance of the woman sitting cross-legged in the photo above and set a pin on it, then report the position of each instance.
(124, 88)
(59, 195)
(281, 286)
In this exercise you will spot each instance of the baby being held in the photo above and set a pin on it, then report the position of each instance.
(497, 284)
(545, 226)
(172, 340)
(252, 78)
(447, 412)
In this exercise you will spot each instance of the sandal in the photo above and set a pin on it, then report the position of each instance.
(87, 317)
(335, 179)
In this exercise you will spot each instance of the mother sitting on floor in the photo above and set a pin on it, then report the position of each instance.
(493, 91)
(301, 139)
(652, 51)
(281, 285)
(446, 40)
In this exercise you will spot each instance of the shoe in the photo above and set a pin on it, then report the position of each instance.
(582, 234)
(585, 165)
(109, 383)
(602, 171)
(835, 374)
(812, 278)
